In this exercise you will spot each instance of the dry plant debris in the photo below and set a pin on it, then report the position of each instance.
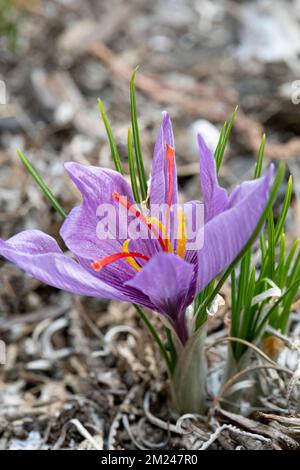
(82, 374)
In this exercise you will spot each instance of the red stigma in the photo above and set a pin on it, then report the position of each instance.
(123, 201)
(98, 265)
(171, 162)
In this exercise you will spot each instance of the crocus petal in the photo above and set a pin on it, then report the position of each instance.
(226, 234)
(159, 183)
(39, 255)
(84, 227)
(215, 198)
(194, 223)
(168, 282)
(116, 275)
(79, 230)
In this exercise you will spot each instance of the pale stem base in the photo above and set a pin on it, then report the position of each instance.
(190, 375)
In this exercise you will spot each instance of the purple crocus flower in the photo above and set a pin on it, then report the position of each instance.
(157, 272)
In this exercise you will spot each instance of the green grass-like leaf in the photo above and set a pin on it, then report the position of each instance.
(155, 336)
(42, 185)
(223, 140)
(136, 139)
(134, 184)
(284, 210)
(112, 142)
(273, 194)
(260, 158)
(277, 269)
(286, 297)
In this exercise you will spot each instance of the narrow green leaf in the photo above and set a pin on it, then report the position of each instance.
(243, 280)
(277, 303)
(200, 297)
(155, 336)
(290, 257)
(284, 317)
(281, 262)
(257, 317)
(273, 194)
(173, 352)
(136, 139)
(247, 317)
(235, 313)
(284, 210)
(132, 172)
(263, 246)
(224, 136)
(264, 267)
(44, 188)
(271, 245)
(219, 146)
(251, 288)
(112, 143)
(294, 272)
(260, 158)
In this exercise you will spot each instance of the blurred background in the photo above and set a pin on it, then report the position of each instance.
(198, 59)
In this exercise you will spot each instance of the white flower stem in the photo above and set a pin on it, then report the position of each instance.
(189, 378)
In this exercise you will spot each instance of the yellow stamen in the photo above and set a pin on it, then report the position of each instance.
(181, 233)
(131, 261)
(161, 227)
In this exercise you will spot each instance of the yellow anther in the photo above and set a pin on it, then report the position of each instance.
(131, 261)
(162, 229)
(181, 233)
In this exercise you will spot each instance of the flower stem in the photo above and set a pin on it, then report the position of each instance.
(190, 374)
